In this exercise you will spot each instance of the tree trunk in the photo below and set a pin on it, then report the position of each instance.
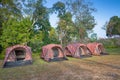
(61, 41)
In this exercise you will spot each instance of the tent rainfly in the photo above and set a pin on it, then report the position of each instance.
(96, 48)
(17, 55)
(77, 50)
(53, 52)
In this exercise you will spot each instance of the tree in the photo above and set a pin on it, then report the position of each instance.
(41, 17)
(104, 26)
(113, 26)
(93, 37)
(65, 23)
(82, 15)
(53, 35)
(59, 8)
(24, 22)
(16, 31)
(8, 9)
(39, 14)
(65, 27)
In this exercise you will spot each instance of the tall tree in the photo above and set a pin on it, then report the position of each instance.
(59, 8)
(65, 22)
(82, 15)
(8, 9)
(40, 21)
(32, 28)
(53, 35)
(113, 26)
(65, 27)
(41, 17)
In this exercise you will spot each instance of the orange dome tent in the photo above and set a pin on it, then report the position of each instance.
(77, 50)
(17, 55)
(96, 48)
(53, 52)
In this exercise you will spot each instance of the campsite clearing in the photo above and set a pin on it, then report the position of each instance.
(105, 67)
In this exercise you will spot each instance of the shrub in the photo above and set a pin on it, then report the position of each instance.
(110, 42)
(2, 54)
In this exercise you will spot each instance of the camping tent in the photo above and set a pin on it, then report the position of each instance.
(17, 55)
(77, 50)
(53, 52)
(96, 48)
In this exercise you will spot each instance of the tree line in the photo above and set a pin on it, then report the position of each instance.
(27, 22)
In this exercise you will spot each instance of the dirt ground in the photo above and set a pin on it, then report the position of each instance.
(93, 68)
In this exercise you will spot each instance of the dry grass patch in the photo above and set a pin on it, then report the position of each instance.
(92, 68)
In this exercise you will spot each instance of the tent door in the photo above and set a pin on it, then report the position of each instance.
(88, 52)
(55, 52)
(20, 54)
(80, 51)
(83, 51)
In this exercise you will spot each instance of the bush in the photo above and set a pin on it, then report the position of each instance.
(2, 55)
(1, 48)
(110, 42)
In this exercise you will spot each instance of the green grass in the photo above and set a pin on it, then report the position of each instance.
(37, 59)
(113, 50)
(92, 68)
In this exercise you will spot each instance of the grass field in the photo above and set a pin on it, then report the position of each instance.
(105, 67)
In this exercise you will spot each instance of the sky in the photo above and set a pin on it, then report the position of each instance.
(105, 10)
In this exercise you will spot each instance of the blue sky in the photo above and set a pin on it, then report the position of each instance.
(105, 10)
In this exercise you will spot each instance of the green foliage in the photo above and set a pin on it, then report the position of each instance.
(34, 29)
(113, 51)
(93, 37)
(41, 19)
(65, 28)
(83, 19)
(36, 40)
(53, 36)
(2, 56)
(8, 9)
(110, 42)
(40, 22)
(71, 30)
(39, 39)
(113, 27)
(59, 8)
(1, 48)
(15, 32)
